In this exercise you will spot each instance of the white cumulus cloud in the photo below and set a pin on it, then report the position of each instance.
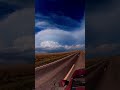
(50, 45)
(56, 38)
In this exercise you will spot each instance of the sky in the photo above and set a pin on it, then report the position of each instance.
(102, 28)
(17, 31)
(59, 25)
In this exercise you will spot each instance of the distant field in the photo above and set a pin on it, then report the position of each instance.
(17, 77)
(92, 61)
(41, 59)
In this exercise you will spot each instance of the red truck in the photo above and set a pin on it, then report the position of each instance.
(77, 81)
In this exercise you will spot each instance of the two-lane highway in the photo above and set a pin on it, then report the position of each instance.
(111, 77)
(46, 76)
(94, 74)
(79, 64)
(105, 76)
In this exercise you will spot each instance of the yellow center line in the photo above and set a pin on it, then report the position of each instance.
(69, 72)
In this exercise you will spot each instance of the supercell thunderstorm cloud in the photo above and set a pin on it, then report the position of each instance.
(59, 25)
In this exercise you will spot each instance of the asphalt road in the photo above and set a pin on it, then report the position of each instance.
(80, 63)
(106, 76)
(111, 78)
(46, 76)
(94, 74)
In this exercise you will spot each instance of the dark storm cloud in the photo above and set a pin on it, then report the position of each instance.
(6, 9)
(17, 31)
(22, 3)
(102, 24)
(17, 26)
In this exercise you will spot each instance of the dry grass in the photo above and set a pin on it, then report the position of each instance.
(42, 59)
(90, 62)
(17, 77)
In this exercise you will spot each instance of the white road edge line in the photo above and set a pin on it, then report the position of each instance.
(40, 67)
(69, 72)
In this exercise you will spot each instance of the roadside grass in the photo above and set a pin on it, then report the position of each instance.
(42, 59)
(17, 78)
(90, 62)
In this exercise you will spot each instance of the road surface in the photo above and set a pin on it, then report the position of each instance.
(47, 76)
(111, 78)
(79, 64)
(105, 78)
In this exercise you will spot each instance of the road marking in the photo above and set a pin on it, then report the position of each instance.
(69, 72)
(43, 66)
